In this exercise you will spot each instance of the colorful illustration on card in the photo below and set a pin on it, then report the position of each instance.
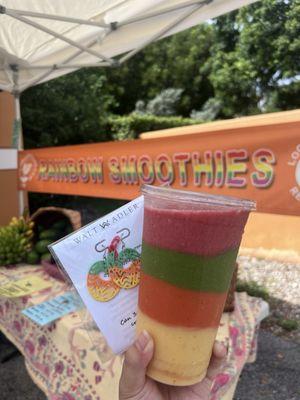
(119, 268)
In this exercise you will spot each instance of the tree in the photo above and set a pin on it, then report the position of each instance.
(179, 61)
(209, 111)
(163, 104)
(254, 67)
(67, 110)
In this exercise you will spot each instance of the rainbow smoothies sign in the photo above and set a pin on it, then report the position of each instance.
(258, 160)
(210, 169)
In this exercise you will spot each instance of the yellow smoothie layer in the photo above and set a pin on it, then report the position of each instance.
(181, 354)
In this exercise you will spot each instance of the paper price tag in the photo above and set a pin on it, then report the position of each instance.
(103, 261)
(23, 287)
(53, 309)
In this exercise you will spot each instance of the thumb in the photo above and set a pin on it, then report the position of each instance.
(217, 360)
(137, 358)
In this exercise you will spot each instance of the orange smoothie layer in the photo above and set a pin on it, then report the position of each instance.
(176, 306)
(182, 357)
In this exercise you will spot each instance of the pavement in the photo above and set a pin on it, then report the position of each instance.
(16, 384)
(274, 376)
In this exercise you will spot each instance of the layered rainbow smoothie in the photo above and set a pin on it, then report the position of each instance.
(188, 258)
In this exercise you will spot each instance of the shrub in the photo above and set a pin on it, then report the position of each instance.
(130, 126)
(253, 289)
(288, 324)
(163, 104)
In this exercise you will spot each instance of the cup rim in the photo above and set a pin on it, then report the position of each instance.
(168, 193)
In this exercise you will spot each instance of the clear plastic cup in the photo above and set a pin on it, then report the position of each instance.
(190, 245)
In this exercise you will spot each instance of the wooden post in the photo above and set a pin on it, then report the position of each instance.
(9, 199)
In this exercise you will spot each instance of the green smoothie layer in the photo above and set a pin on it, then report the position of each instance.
(189, 271)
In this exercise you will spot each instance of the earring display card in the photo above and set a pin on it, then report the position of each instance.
(103, 262)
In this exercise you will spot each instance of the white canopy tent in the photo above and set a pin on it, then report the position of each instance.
(41, 40)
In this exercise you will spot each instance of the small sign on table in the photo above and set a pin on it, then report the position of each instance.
(51, 310)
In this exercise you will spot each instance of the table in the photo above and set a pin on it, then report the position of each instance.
(70, 360)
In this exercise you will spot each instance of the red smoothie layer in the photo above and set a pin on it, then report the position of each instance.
(204, 232)
(175, 306)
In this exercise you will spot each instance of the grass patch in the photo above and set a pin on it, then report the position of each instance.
(288, 324)
(253, 289)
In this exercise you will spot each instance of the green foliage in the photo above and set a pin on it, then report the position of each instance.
(130, 126)
(209, 111)
(163, 104)
(179, 61)
(284, 97)
(245, 60)
(256, 58)
(68, 110)
(288, 324)
(253, 289)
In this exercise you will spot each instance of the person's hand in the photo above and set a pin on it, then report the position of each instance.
(135, 385)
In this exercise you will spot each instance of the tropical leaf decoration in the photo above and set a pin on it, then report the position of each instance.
(127, 255)
(97, 267)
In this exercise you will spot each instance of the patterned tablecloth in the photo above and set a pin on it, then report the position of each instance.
(69, 360)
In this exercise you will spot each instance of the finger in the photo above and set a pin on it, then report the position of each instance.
(217, 360)
(137, 358)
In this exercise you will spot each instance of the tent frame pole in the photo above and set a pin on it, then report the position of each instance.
(165, 11)
(18, 124)
(64, 66)
(162, 32)
(61, 65)
(57, 18)
(18, 119)
(58, 36)
(98, 24)
(61, 18)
